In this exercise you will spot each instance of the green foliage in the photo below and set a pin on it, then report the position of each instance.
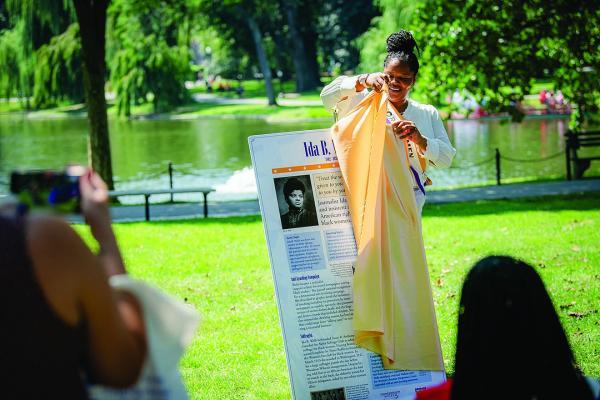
(39, 53)
(225, 24)
(147, 53)
(58, 70)
(220, 54)
(15, 66)
(495, 49)
(42, 19)
(340, 23)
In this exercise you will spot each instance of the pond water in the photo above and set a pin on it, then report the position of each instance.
(214, 152)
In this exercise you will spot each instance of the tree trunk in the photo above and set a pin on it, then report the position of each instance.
(313, 77)
(304, 50)
(262, 58)
(91, 16)
(298, 51)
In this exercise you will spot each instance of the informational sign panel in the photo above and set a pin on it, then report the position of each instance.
(312, 250)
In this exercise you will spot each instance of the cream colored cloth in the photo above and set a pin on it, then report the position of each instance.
(170, 327)
(393, 306)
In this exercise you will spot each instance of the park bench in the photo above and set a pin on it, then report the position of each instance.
(575, 141)
(147, 193)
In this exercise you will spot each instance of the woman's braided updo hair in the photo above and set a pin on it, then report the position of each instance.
(401, 46)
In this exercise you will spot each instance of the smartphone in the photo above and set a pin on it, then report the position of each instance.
(49, 190)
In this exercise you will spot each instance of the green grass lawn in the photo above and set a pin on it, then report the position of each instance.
(256, 89)
(9, 106)
(271, 113)
(222, 268)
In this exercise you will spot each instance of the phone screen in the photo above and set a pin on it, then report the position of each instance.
(49, 190)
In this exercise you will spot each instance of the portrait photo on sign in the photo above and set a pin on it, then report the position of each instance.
(296, 202)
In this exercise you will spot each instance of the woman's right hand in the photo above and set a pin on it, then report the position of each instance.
(377, 80)
(94, 206)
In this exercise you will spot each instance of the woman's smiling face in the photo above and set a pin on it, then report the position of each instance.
(401, 80)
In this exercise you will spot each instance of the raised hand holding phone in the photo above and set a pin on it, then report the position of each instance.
(94, 208)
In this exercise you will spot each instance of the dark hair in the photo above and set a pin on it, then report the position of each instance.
(401, 46)
(510, 343)
(291, 185)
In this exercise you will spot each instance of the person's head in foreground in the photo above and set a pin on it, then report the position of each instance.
(293, 191)
(510, 342)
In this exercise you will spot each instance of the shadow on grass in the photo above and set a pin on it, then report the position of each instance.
(586, 201)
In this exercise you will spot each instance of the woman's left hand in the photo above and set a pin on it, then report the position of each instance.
(406, 129)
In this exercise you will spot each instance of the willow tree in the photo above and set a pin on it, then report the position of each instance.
(15, 66)
(148, 51)
(43, 19)
(57, 73)
(16, 52)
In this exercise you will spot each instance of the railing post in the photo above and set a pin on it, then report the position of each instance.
(171, 178)
(498, 167)
(205, 194)
(568, 154)
(147, 206)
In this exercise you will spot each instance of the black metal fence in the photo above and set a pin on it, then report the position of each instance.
(497, 159)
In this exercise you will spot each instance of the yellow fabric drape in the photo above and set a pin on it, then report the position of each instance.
(393, 306)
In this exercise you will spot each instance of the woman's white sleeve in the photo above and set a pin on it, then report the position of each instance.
(439, 149)
(340, 94)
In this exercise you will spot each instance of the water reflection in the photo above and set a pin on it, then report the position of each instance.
(214, 152)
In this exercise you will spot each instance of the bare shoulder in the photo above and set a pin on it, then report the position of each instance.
(61, 261)
(55, 240)
(47, 227)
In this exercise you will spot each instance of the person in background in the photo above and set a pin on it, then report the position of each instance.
(551, 102)
(510, 343)
(62, 324)
(543, 97)
(560, 102)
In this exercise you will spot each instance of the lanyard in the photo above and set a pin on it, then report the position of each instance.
(393, 116)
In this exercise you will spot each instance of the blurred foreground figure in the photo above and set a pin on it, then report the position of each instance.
(510, 342)
(62, 324)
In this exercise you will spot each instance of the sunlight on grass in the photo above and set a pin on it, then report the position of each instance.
(221, 267)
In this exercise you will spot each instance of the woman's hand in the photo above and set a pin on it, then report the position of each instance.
(94, 206)
(406, 129)
(375, 81)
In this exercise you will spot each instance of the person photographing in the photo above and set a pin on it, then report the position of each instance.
(63, 324)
